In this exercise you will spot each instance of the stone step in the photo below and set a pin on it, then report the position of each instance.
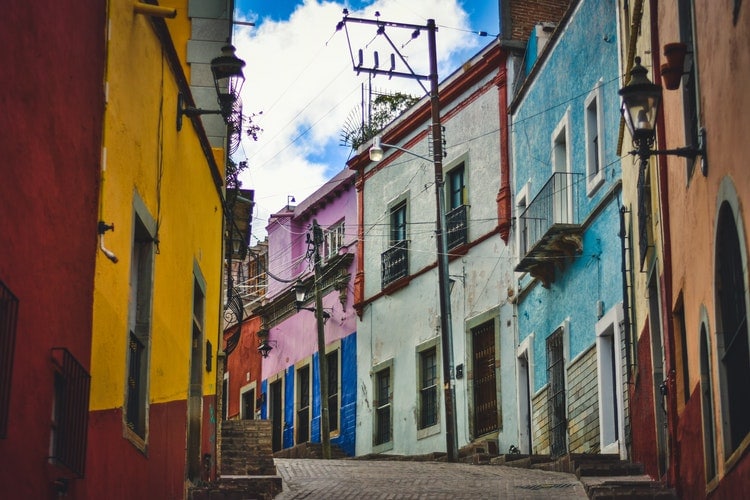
(639, 487)
(621, 468)
(238, 487)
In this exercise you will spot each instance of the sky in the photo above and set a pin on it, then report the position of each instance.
(301, 89)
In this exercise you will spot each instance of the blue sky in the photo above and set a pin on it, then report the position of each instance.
(299, 76)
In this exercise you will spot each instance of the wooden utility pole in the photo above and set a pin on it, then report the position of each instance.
(446, 324)
(325, 431)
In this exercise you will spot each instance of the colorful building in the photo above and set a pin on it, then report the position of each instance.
(158, 286)
(693, 355)
(571, 341)
(322, 226)
(53, 104)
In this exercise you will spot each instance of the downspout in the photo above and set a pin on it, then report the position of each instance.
(503, 195)
(359, 278)
(672, 418)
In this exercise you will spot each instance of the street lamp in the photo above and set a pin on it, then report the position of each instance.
(640, 105)
(228, 81)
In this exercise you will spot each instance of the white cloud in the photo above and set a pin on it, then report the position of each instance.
(299, 75)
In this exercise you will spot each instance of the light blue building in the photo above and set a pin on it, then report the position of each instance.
(567, 183)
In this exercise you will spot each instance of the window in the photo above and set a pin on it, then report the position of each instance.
(333, 240)
(195, 387)
(522, 201)
(8, 319)
(562, 191)
(683, 373)
(383, 398)
(303, 404)
(456, 187)
(707, 407)
(456, 217)
(594, 146)
(689, 80)
(70, 412)
(332, 358)
(398, 224)
(395, 260)
(247, 410)
(139, 323)
(428, 382)
(732, 330)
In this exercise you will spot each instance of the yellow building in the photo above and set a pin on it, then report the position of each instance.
(158, 284)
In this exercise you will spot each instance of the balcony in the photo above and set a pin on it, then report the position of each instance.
(549, 229)
(456, 226)
(395, 263)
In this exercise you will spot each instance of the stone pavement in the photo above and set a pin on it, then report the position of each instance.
(406, 480)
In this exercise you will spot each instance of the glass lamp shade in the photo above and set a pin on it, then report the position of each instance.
(376, 150)
(299, 292)
(228, 76)
(264, 348)
(640, 103)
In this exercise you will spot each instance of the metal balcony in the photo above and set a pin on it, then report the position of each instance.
(457, 226)
(549, 228)
(395, 263)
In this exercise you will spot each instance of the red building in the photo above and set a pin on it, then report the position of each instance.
(51, 95)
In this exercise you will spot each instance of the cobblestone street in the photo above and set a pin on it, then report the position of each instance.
(364, 479)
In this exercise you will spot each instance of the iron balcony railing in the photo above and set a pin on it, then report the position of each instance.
(457, 226)
(395, 263)
(555, 206)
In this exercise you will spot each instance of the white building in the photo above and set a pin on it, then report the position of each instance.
(401, 406)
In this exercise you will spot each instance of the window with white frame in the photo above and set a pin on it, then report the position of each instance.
(333, 239)
(562, 192)
(522, 234)
(594, 141)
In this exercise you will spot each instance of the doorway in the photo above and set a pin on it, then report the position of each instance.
(484, 383)
(275, 415)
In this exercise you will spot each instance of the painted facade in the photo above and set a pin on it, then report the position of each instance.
(700, 256)
(567, 187)
(400, 407)
(242, 378)
(158, 290)
(290, 387)
(53, 104)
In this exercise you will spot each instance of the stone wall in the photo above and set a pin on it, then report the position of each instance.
(540, 422)
(246, 448)
(583, 404)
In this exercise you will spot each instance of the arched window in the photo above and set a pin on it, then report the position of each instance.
(707, 407)
(732, 332)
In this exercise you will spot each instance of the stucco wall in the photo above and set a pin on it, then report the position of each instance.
(52, 101)
(394, 326)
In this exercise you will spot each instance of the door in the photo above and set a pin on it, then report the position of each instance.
(556, 403)
(524, 403)
(485, 388)
(275, 415)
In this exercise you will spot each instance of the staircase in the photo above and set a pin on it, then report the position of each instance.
(246, 467)
(603, 476)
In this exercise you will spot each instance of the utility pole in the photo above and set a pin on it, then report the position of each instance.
(446, 330)
(325, 431)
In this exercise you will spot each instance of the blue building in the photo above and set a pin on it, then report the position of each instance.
(567, 184)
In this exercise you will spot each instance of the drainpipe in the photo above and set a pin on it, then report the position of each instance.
(673, 466)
